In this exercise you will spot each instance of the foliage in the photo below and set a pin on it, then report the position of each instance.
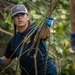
(60, 49)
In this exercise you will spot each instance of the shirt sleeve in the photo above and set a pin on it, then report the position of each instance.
(9, 53)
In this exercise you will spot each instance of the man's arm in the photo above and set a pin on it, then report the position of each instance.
(72, 16)
(72, 20)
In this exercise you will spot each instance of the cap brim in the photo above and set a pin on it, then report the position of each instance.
(18, 13)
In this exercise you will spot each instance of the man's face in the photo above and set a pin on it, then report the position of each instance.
(20, 19)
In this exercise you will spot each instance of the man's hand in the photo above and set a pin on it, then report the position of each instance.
(5, 60)
(49, 21)
(44, 32)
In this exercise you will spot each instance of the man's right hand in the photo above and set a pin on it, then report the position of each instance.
(5, 60)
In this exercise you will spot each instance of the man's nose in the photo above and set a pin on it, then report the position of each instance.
(19, 16)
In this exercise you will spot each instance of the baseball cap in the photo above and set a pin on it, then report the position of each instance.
(20, 8)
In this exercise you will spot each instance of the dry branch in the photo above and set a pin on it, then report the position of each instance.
(6, 32)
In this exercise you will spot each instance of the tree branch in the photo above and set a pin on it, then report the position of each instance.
(6, 32)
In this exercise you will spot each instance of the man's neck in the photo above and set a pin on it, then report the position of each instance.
(23, 28)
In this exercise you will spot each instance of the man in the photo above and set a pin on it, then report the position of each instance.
(18, 48)
(72, 18)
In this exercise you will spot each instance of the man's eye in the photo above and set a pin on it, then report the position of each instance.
(16, 15)
(22, 13)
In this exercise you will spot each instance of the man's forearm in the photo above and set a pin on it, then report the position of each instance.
(72, 19)
(72, 16)
(44, 33)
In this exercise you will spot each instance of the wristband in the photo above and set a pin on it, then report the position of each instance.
(0, 60)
